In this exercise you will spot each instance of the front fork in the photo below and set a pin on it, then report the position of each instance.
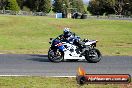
(56, 52)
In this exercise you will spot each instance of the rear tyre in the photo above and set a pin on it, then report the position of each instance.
(93, 55)
(55, 56)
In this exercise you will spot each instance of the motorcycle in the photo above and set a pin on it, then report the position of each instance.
(60, 51)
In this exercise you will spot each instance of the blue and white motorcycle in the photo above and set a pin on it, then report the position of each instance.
(60, 51)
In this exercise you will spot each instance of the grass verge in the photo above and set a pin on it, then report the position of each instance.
(30, 34)
(44, 82)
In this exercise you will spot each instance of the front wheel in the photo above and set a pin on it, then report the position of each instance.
(55, 56)
(93, 55)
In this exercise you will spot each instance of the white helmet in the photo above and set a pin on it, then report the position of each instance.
(66, 30)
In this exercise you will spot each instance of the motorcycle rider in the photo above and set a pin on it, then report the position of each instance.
(66, 35)
(70, 37)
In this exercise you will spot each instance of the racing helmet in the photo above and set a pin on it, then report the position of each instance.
(67, 32)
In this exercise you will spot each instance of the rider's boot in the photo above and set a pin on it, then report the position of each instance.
(82, 52)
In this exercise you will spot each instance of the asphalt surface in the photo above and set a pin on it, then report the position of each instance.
(39, 65)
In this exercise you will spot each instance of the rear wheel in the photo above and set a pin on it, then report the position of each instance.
(93, 55)
(55, 56)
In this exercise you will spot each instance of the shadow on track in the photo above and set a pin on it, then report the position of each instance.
(44, 58)
(40, 58)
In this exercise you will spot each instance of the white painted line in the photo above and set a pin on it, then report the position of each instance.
(36, 76)
(64, 76)
(12, 75)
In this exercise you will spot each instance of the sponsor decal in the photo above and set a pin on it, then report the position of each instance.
(83, 78)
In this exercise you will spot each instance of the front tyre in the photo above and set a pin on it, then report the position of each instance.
(93, 55)
(55, 56)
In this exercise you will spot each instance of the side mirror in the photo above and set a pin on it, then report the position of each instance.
(51, 38)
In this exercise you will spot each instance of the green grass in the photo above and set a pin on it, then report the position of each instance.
(44, 82)
(30, 34)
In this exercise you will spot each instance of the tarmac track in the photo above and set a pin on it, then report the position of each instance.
(39, 65)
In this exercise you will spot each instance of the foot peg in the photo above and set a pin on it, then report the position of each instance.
(70, 54)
